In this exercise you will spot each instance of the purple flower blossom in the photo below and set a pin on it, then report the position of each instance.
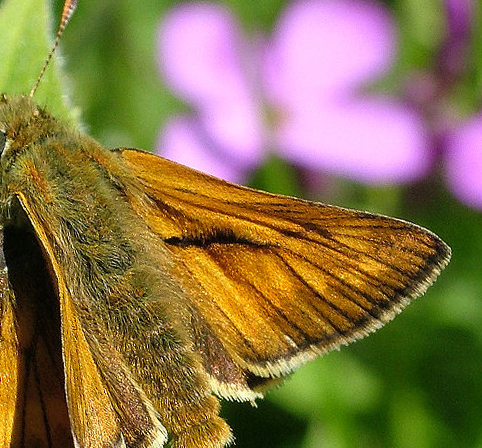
(464, 161)
(307, 78)
(301, 93)
(457, 143)
(462, 142)
(201, 52)
(453, 53)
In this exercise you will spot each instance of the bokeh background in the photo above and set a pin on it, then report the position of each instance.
(399, 82)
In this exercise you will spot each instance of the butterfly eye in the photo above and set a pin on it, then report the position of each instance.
(3, 141)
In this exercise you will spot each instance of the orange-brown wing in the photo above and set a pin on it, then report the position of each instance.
(280, 280)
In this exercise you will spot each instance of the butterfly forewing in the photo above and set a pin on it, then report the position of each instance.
(284, 279)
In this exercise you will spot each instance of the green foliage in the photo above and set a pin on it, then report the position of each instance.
(26, 38)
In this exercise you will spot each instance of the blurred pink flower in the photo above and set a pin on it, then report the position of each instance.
(454, 51)
(463, 159)
(298, 93)
(462, 142)
(457, 142)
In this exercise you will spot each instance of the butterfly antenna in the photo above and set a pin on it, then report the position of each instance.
(69, 8)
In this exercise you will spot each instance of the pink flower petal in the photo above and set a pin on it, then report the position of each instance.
(202, 51)
(180, 142)
(237, 129)
(320, 54)
(464, 162)
(372, 141)
(454, 52)
(322, 48)
(199, 53)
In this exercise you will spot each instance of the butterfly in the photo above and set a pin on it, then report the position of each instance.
(135, 291)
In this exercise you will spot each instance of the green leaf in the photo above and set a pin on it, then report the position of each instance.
(26, 39)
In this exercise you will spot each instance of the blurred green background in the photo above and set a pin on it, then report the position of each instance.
(416, 382)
